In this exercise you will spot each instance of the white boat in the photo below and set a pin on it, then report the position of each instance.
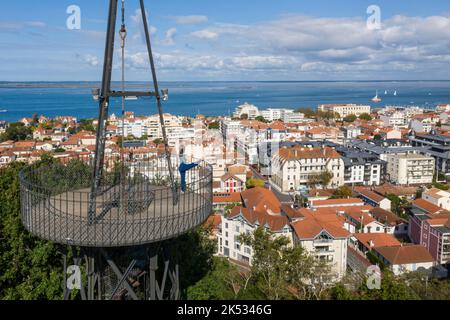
(385, 92)
(395, 93)
(3, 111)
(376, 99)
(131, 98)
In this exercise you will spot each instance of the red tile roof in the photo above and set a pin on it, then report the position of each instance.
(298, 152)
(336, 202)
(405, 254)
(378, 239)
(311, 227)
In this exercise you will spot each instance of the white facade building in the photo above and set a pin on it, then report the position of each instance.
(345, 109)
(437, 197)
(293, 167)
(405, 169)
(250, 110)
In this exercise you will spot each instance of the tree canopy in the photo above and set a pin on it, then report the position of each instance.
(254, 183)
(16, 131)
(365, 116)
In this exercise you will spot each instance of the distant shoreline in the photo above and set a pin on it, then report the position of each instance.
(90, 84)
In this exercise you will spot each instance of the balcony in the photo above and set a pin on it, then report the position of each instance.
(320, 242)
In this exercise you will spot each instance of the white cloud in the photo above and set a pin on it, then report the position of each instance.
(170, 37)
(296, 46)
(90, 59)
(205, 34)
(17, 25)
(193, 19)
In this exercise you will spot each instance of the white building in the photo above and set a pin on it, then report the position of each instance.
(437, 197)
(293, 167)
(325, 239)
(405, 169)
(397, 119)
(345, 109)
(250, 110)
(421, 125)
(286, 115)
(260, 208)
(405, 258)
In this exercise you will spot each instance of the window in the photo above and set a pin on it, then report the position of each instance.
(237, 229)
(226, 225)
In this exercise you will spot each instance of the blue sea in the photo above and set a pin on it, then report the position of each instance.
(23, 99)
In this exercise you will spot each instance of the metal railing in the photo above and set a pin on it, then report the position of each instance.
(136, 203)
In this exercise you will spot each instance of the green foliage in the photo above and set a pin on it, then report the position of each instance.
(16, 132)
(308, 112)
(365, 116)
(194, 253)
(391, 289)
(343, 192)
(398, 205)
(377, 137)
(441, 186)
(87, 125)
(375, 260)
(327, 115)
(158, 141)
(29, 268)
(244, 116)
(323, 178)
(261, 119)
(340, 292)
(254, 183)
(283, 271)
(214, 125)
(350, 118)
(216, 285)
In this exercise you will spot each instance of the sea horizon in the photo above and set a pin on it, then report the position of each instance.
(215, 98)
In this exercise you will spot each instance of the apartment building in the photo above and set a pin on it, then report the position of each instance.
(293, 167)
(345, 109)
(259, 208)
(230, 128)
(324, 237)
(172, 123)
(429, 226)
(396, 119)
(250, 110)
(286, 115)
(362, 168)
(436, 145)
(406, 169)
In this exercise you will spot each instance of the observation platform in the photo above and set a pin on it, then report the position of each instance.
(135, 205)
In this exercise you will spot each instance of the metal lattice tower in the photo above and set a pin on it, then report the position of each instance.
(111, 215)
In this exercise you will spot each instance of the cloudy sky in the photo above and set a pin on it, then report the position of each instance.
(232, 40)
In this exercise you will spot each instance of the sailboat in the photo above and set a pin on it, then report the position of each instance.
(395, 93)
(385, 92)
(376, 99)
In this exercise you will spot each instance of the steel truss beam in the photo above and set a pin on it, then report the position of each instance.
(154, 286)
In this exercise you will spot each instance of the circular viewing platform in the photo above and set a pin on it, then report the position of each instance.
(136, 203)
